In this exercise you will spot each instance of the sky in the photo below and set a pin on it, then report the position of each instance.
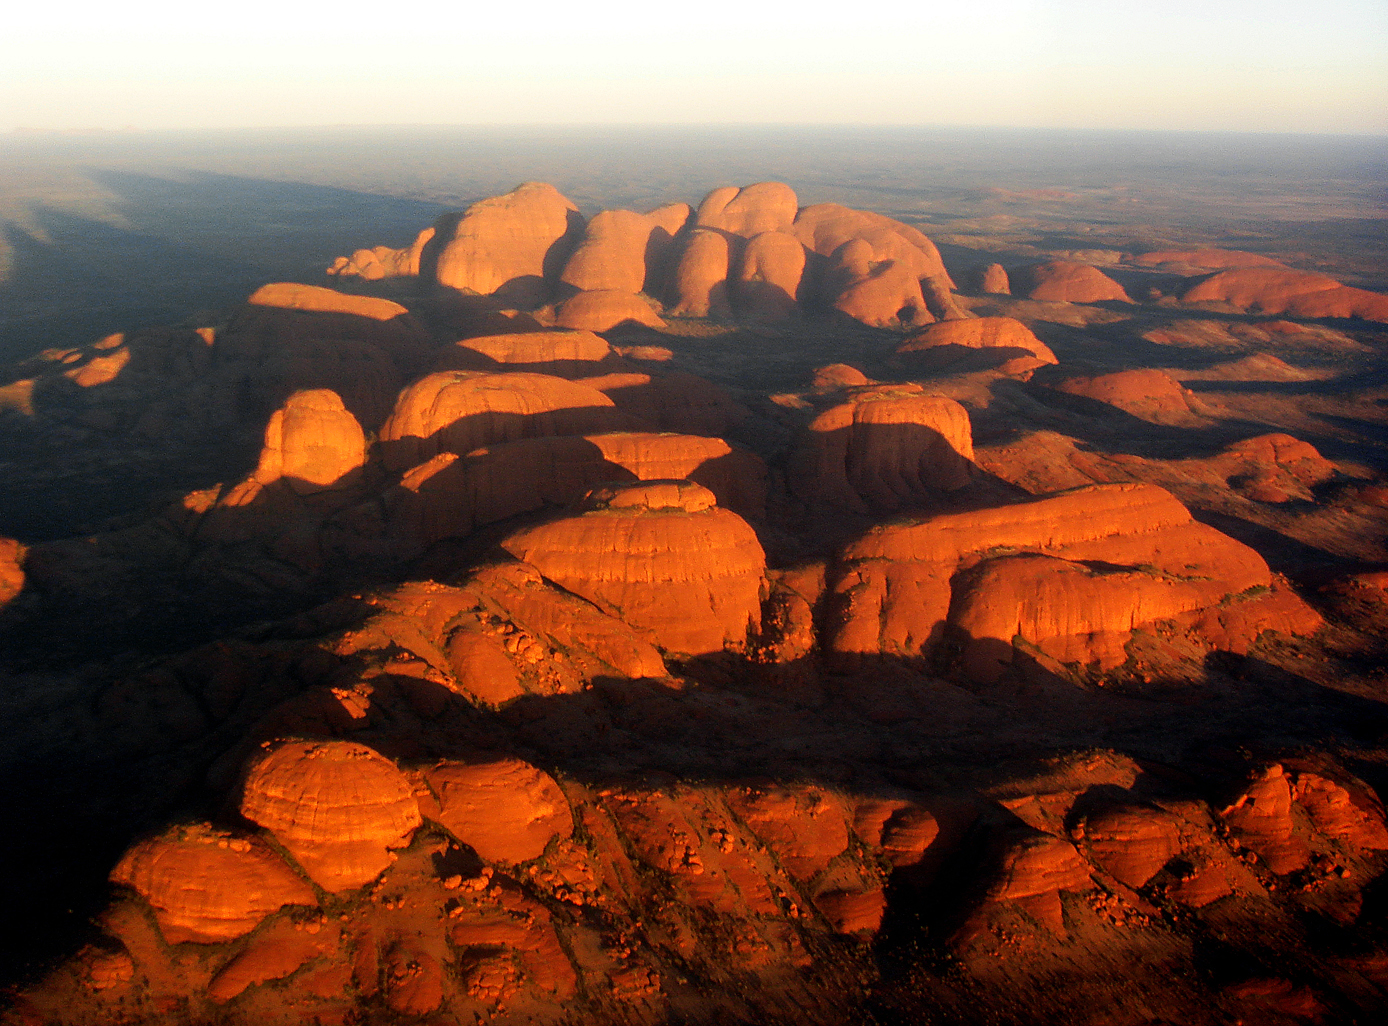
(1220, 65)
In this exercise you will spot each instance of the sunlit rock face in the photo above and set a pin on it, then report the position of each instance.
(1063, 281)
(660, 555)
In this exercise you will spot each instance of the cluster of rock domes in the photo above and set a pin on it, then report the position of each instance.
(416, 820)
(753, 252)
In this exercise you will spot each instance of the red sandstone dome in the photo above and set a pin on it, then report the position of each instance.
(506, 810)
(1063, 281)
(1008, 343)
(337, 807)
(1276, 290)
(1150, 394)
(1204, 259)
(902, 584)
(623, 251)
(885, 448)
(458, 411)
(660, 555)
(881, 293)
(825, 227)
(749, 211)
(566, 353)
(605, 310)
(769, 275)
(11, 570)
(993, 280)
(509, 244)
(699, 284)
(207, 885)
(312, 442)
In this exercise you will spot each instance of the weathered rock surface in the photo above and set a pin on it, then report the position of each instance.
(1063, 281)
(208, 885)
(749, 211)
(993, 280)
(883, 449)
(513, 244)
(337, 807)
(459, 411)
(660, 555)
(311, 442)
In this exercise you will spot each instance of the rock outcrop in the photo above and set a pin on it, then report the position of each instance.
(886, 448)
(512, 245)
(1202, 259)
(605, 310)
(749, 211)
(337, 807)
(505, 810)
(383, 262)
(1063, 281)
(571, 353)
(1277, 290)
(459, 411)
(208, 885)
(993, 281)
(1082, 570)
(312, 442)
(976, 343)
(660, 555)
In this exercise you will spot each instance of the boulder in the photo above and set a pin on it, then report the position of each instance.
(207, 885)
(312, 442)
(459, 411)
(510, 245)
(1261, 818)
(886, 447)
(1063, 281)
(337, 807)
(660, 555)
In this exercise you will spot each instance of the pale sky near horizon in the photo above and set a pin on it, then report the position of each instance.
(1269, 66)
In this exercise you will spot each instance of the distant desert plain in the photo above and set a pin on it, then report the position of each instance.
(724, 575)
